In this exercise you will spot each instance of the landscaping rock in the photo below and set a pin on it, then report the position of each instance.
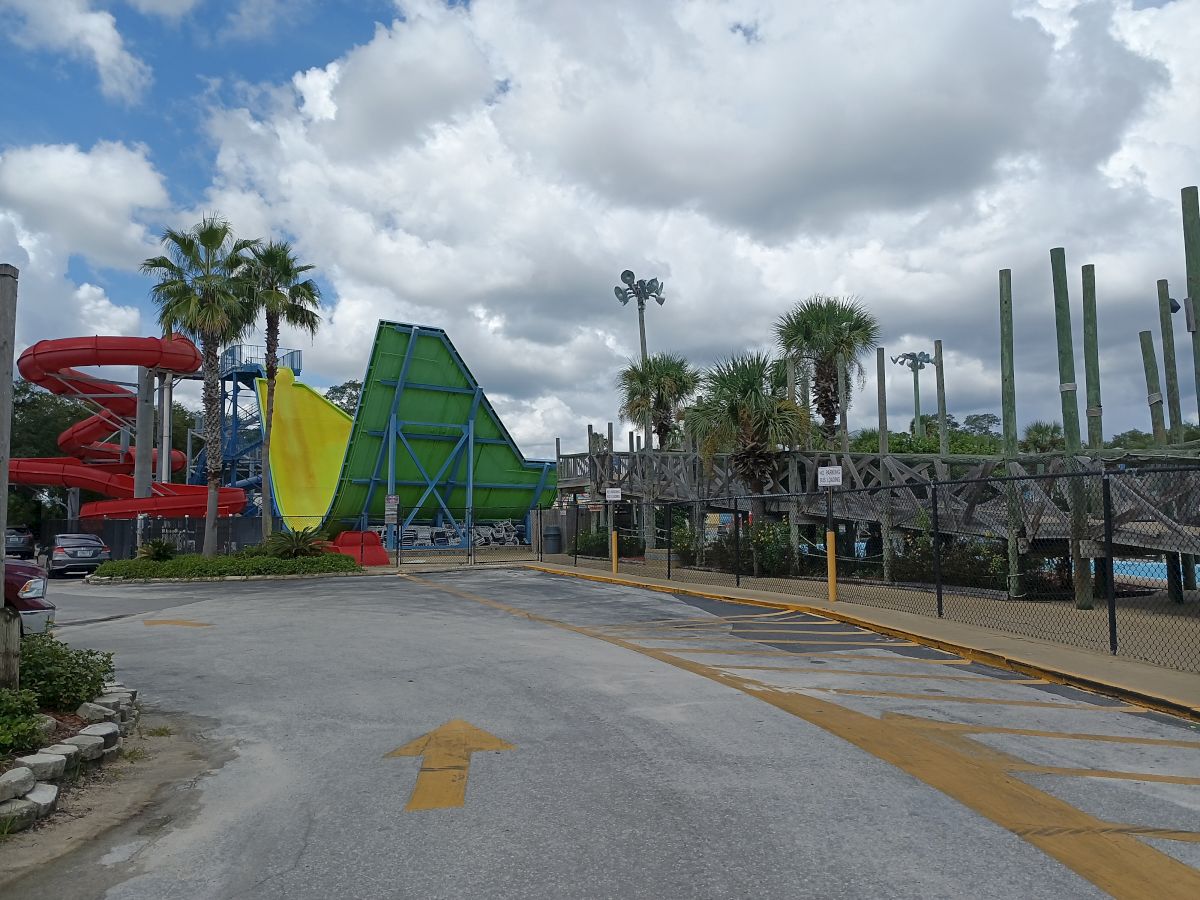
(16, 815)
(110, 753)
(69, 752)
(90, 746)
(49, 725)
(91, 712)
(45, 797)
(107, 730)
(127, 727)
(16, 783)
(44, 765)
(115, 702)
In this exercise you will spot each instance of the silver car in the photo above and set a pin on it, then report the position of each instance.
(81, 553)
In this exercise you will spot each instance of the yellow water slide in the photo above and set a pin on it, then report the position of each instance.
(308, 442)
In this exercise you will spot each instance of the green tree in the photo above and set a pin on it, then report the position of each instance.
(743, 410)
(818, 330)
(982, 424)
(345, 395)
(279, 289)
(657, 389)
(201, 292)
(1043, 437)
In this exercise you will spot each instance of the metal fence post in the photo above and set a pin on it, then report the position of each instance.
(937, 545)
(1110, 584)
(670, 541)
(737, 544)
(830, 549)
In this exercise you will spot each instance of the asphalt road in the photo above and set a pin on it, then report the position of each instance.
(656, 747)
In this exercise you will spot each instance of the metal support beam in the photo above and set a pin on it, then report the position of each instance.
(143, 451)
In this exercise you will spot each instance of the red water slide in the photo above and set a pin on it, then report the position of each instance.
(93, 463)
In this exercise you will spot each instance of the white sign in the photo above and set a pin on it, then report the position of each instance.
(829, 476)
(612, 493)
(391, 509)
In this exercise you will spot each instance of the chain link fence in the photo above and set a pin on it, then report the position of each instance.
(1103, 560)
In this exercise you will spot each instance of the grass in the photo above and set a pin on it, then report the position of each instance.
(159, 731)
(134, 754)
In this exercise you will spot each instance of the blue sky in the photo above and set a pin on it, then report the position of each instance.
(902, 153)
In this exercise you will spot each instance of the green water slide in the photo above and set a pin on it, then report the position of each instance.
(424, 431)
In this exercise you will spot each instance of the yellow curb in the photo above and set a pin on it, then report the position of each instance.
(1156, 702)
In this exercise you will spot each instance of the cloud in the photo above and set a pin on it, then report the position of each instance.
(85, 201)
(252, 19)
(491, 169)
(75, 27)
(166, 9)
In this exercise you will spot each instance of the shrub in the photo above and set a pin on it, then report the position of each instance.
(62, 677)
(294, 544)
(203, 567)
(20, 730)
(596, 543)
(158, 551)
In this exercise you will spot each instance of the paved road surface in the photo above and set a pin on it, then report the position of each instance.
(660, 747)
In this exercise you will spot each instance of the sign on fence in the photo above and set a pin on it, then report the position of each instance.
(829, 476)
(613, 494)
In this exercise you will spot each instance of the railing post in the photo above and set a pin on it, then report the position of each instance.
(1110, 584)
(670, 541)
(937, 545)
(737, 544)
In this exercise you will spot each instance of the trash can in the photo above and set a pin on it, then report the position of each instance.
(552, 539)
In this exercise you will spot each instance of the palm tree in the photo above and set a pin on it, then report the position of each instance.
(276, 285)
(658, 390)
(815, 333)
(743, 410)
(199, 293)
(1043, 437)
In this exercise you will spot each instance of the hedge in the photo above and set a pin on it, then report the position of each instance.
(62, 677)
(216, 566)
(20, 727)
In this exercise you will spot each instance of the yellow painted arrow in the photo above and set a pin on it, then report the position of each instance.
(446, 758)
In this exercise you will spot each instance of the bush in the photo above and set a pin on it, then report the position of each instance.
(158, 551)
(596, 543)
(202, 567)
(294, 544)
(20, 730)
(62, 677)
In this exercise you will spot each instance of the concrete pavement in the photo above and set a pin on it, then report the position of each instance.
(663, 746)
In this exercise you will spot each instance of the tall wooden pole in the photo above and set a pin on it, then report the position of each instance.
(1191, 252)
(10, 619)
(1008, 409)
(1091, 361)
(1068, 392)
(918, 422)
(885, 475)
(805, 402)
(1166, 328)
(943, 425)
(1154, 397)
(843, 402)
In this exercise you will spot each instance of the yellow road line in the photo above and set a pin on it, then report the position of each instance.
(822, 670)
(1070, 772)
(883, 642)
(1118, 863)
(1033, 732)
(744, 634)
(891, 658)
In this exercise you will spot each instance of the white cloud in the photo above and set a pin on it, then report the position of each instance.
(85, 201)
(77, 28)
(250, 19)
(166, 9)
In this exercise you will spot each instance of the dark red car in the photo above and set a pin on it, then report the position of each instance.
(25, 591)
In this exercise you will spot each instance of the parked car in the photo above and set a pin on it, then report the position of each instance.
(19, 542)
(76, 553)
(25, 591)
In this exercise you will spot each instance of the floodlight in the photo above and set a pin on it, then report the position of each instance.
(628, 277)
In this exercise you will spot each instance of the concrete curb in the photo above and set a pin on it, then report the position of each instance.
(120, 579)
(1012, 662)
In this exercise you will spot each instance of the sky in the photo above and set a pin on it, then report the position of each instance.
(490, 167)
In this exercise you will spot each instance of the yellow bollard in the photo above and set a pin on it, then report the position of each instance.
(613, 551)
(831, 564)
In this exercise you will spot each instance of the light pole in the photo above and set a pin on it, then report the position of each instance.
(916, 362)
(641, 290)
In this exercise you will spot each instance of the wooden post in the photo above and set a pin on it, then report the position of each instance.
(10, 619)
(885, 475)
(943, 426)
(805, 403)
(918, 422)
(1068, 392)
(1091, 361)
(1154, 395)
(1191, 252)
(1166, 330)
(843, 402)
(1008, 408)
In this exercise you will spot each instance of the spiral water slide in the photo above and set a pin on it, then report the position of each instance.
(93, 463)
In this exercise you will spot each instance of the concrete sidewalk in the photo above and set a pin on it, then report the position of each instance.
(1158, 688)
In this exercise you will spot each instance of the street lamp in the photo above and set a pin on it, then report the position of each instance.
(916, 362)
(638, 289)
